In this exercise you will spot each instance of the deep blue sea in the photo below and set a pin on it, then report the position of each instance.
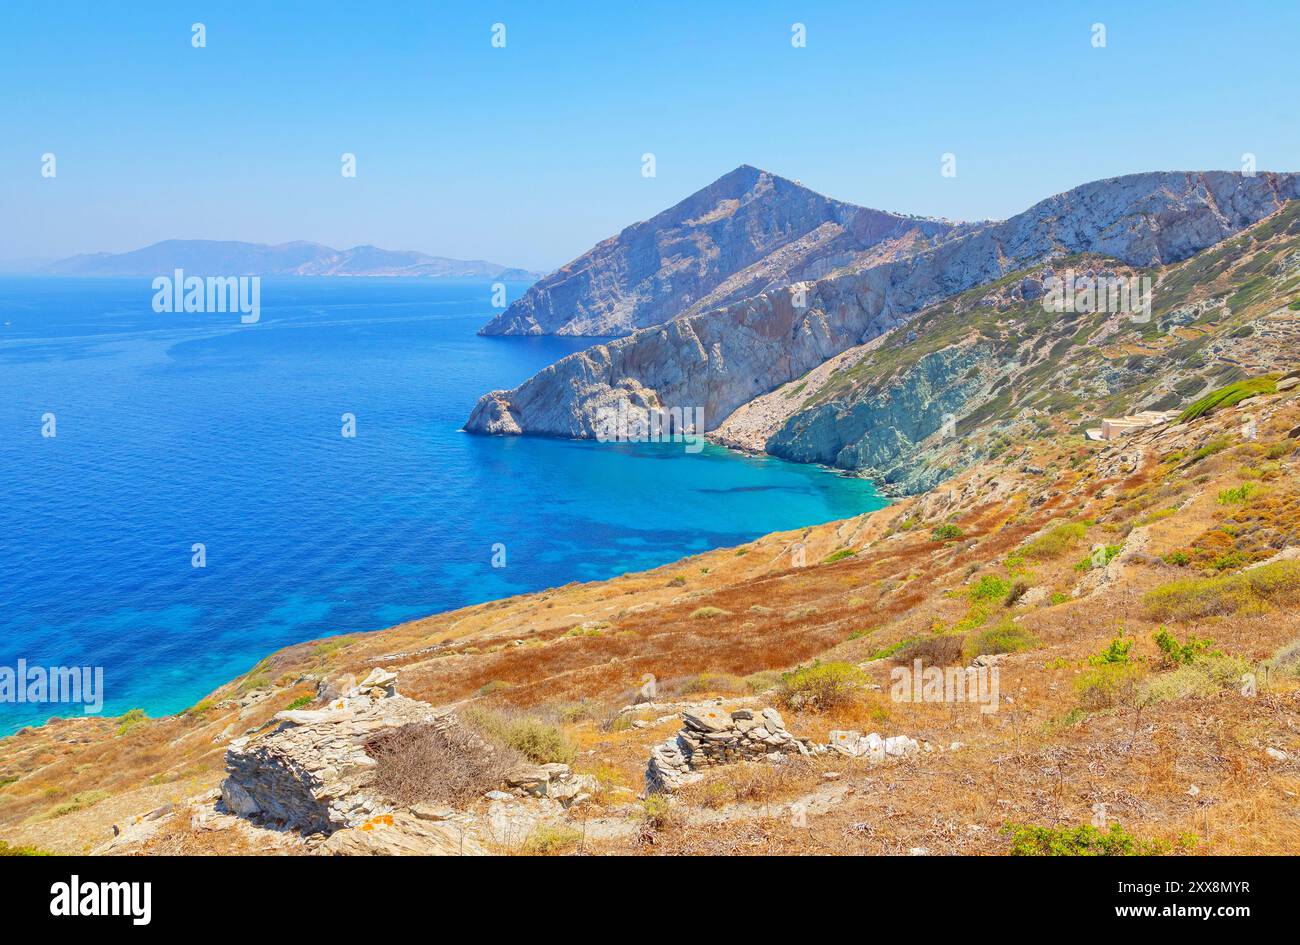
(176, 429)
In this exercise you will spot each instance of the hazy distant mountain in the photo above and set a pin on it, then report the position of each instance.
(300, 258)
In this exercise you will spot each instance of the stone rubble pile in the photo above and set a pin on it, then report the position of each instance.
(312, 772)
(714, 736)
(873, 747)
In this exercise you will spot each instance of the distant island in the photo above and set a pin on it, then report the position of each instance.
(298, 258)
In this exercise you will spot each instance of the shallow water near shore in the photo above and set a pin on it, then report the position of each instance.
(176, 429)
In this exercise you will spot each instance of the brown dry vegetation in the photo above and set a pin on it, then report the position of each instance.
(1045, 757)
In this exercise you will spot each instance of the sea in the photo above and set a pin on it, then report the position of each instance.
(179, 496)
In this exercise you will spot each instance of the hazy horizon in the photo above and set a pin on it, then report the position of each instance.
(528, 155)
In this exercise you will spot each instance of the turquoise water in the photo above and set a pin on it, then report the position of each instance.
(182, 428)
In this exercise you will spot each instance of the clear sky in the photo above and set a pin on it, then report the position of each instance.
(529, 154)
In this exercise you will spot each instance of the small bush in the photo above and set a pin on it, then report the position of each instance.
(1006, 637)
(130, 720)
(708, 613)
(1238, 495)
(551, 840)
(820, 687)
(1174, 653)
(838, 555)
(1286, 661)
(1216, 445)
(1084, 840)
(678, 581)
(1253, 591)
(1055, 542)
(763, 680)
(1099, 558)
(1117, 653)
(946, 532)
(300, 703)
(7, 850)
(417, 763)
(887, 651)
(79, 802)
(943, 650)
(659, 812)
(1109, 684)
(1018, 590)
(1204, 676)
(537, 740)
(989, 587)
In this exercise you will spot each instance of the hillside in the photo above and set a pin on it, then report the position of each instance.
(1138, 599)
(720, 360)
(232, 258)
(747, 232)
(994, 361)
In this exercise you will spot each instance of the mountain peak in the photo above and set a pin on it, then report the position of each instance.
(746, 232)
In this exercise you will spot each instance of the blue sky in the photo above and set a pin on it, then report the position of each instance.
(528, 155)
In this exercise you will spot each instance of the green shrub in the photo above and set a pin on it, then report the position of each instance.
(1055, 542)
(1229, 396)
(130, 720)
(820, 687)
(838, 555)
(549, 840)
(1216, 445)
(539, 741)
(7, 850)
(300, 703)
(1117, 652)
(1084, 840)
(989, 587)
(1109, 684)
(1238, 495)
(1005, 637)
(946, 532)
(1253, 591)
(1174, 653)
(887, 651)
(1099, 558)
(79, 802)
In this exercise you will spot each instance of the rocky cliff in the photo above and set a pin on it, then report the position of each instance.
(720, 360)
(747, 232)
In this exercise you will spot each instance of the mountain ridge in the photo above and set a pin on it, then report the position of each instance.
(723, 359)
(748, 231)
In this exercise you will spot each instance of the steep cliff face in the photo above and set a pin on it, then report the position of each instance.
(991, 365)
(747, 232)
(719, 360)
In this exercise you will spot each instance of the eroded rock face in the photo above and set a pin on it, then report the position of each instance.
(747, 232)
(313, 773)
(719, 360)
